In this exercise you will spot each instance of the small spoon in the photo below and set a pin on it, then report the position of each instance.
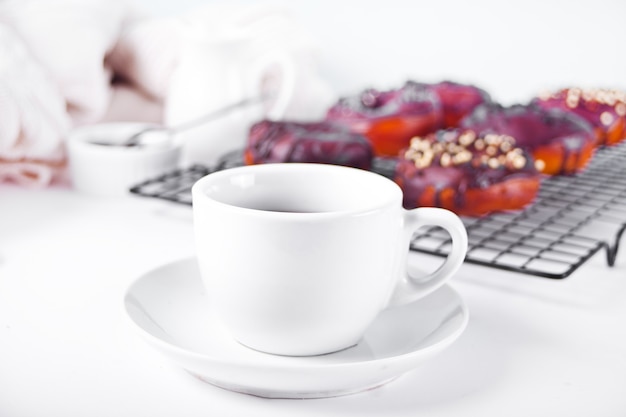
(136, 138)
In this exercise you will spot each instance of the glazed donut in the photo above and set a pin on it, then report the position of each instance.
(467, 173)
(273, 141)
(389, 119)
(560, 142)
(604, 109)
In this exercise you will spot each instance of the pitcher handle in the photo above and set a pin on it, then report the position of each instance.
(281, 100)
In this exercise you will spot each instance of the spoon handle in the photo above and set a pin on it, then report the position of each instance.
(217, 113)
(135, 139)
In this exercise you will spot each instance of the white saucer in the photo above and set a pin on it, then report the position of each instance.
(171, 310)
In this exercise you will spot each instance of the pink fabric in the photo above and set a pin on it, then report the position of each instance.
(33, 116)
(60, 65)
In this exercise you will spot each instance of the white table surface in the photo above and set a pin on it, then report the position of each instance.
(533, 346)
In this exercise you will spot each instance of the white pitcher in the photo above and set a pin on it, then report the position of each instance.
(217, 70)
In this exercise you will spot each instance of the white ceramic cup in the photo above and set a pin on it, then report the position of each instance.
(299, 259)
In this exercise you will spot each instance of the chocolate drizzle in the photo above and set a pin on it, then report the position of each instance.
(458, 100)
(413, 98)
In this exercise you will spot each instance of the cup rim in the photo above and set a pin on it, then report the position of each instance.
(393, 198)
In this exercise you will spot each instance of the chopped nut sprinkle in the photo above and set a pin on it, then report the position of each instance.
(612, 98)
(493, 163)
(519, 162)
(445, 159)
(606, 118)
(467, 138)
(492, 150)
(540, 165)
(506, 146)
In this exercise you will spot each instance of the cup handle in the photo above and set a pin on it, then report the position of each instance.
(409, 288)
(288, 82)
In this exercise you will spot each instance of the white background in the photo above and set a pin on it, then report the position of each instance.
(533, 346)
(514, 50)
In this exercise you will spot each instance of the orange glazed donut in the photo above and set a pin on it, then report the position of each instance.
(604, 109)
(560, 142)
(389, 119)
(277, 141)
(469, 174)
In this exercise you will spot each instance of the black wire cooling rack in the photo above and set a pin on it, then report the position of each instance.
(573, 218)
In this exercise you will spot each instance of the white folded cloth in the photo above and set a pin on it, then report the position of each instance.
(70, 38)
(33, 117)
(65, 63)
(51, 77)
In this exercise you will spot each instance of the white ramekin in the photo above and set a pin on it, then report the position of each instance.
(102, 170)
